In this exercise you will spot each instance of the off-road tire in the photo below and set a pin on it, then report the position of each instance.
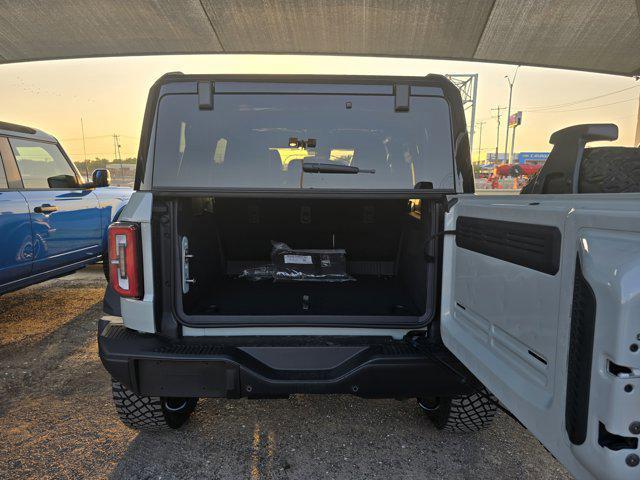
(150, 413)
(461, 414)
(610, 170)
(604, 170)
(105, 264)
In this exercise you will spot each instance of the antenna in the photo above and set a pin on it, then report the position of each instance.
(84, 148)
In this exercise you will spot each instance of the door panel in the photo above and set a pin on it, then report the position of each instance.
(610, 264)
(65, 220)
(511, 322)
(16, 247)
(529, 245)
(67, 235)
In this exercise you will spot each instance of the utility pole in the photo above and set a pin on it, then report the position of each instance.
(115, 147)
(116, 153)
(511, 82)
(480, 124)
(498, 114)
(84, 148)
(118, 145)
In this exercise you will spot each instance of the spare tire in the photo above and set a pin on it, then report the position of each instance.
(603, 170)
(610, 170)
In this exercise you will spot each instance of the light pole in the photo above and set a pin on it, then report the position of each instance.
(511, 82)
(497, 109)
(480, 142)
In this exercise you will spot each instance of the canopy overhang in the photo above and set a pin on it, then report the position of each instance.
(592, 35)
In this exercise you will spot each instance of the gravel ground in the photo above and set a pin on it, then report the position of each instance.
(58, 421)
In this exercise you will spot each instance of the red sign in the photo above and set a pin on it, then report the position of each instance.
(515, 119)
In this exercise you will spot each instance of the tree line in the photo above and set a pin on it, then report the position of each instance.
(91, 165)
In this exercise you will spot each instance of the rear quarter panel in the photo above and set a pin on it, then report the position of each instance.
(112, 200)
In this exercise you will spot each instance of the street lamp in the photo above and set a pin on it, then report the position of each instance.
(511, 82)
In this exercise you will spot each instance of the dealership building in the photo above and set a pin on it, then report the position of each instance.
(531, 158)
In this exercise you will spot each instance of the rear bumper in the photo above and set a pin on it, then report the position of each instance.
(263, 367)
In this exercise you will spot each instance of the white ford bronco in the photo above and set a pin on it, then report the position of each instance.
(320, 235)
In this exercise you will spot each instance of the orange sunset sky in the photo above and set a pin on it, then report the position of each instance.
(110, 93)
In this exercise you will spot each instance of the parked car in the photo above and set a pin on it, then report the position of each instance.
(364, 264)
(52, 222)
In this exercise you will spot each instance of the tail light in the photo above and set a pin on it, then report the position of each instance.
(125, 269)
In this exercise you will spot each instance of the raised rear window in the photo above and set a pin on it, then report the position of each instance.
(263, 140)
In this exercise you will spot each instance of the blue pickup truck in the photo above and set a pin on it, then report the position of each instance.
(52, 222)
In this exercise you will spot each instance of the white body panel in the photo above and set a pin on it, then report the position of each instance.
(139, 314)
(396, 333)
(494, 313)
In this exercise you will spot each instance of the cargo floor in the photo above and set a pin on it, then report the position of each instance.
(366, 296)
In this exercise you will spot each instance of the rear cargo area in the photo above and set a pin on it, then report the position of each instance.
(391, 277)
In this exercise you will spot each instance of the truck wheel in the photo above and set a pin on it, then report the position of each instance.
(105, 264)
(461, 414)
(150, 413)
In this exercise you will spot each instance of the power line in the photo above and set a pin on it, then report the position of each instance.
(575, 102)
(80, 138)
(109, 135)
(586, 108)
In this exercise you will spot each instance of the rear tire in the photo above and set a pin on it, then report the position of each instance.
(461, 414)
(105, 264)
(150, 413)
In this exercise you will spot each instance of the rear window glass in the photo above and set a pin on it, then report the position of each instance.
(42, 165)
(262, 141)
(3, 176)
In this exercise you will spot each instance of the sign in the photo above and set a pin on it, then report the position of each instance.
(515, 119)
(533, 158)
(492, 158)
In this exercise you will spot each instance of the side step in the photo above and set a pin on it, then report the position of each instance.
(266, 367)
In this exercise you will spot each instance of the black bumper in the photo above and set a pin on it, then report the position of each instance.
(263, 367)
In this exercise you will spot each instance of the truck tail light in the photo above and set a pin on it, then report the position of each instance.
(125, 268)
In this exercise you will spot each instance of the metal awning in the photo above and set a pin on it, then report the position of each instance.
(593, 35)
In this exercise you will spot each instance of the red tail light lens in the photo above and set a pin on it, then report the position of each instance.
(125, 268)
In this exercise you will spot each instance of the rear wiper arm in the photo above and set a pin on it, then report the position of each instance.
(332, 168)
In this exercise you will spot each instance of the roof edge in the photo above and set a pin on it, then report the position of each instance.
(325, 54)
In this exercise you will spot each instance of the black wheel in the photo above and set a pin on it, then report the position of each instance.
(150, 413)
(105, 264)
(461, 414)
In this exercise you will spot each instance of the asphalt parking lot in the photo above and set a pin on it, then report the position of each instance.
(57, 420)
